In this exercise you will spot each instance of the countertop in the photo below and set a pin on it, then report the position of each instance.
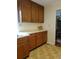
(22, 34)
(27, 33)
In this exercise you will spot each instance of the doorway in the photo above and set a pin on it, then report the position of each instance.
(58, 28)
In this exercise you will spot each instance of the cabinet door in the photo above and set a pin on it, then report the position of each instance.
(22, 47)
(26, 11)
(39, 40)
(20, 52)
(41, 14)
(44, 36)
(26, 51)
(34, 12)
(26, 46)
(32, 40)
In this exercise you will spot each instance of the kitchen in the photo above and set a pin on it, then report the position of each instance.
(36, 25)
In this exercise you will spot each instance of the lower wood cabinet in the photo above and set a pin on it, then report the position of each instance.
(37, 39)
(44, 35)
(22, 48)
(26, 44)
(20, 52)
(32, 41)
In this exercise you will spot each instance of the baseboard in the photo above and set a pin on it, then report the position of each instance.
(50, 43)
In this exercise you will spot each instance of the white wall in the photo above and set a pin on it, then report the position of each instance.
(50, 20)
(29, 26)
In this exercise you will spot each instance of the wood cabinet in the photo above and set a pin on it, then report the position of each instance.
(26, 11)
(32, 39)
(25, 44)
(22, 47)
(44, 35)
(20, 52)
(30, 11)
(37, 13)
(34, 12)
(41, 38)
(41, 14)
(37, 39)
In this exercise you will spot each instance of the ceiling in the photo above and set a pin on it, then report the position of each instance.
(44, 2)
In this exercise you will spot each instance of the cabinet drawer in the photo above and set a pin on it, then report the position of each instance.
(23, 40)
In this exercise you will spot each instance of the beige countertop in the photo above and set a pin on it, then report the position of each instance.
(22, 34)
(34, 31)
(27, 33)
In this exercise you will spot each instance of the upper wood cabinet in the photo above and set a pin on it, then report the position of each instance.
(30, 11)
(26, 11)
(41, 14)
(35, 16)
(37, 13)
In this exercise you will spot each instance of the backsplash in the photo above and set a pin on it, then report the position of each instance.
(40, 27)
(29, 26)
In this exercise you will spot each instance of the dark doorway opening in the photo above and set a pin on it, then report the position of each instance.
(58, 28)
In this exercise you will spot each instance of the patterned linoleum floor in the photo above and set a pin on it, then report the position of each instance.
(46, 51)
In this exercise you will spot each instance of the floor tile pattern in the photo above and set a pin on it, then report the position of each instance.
(46, 51)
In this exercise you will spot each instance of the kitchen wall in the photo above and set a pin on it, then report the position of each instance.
(50, 20)
(29, 26)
